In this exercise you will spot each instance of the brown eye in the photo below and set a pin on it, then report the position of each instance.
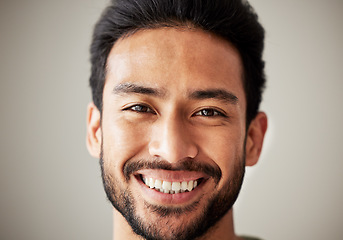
(140, 109)
(208, 112)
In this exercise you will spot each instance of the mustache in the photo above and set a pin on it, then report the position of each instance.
(132, 166)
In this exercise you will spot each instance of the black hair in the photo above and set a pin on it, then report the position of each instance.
(233, 20)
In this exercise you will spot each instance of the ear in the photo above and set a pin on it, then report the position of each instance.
(93, 140)
(255, 136)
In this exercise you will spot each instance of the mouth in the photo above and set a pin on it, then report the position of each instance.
(171, 187)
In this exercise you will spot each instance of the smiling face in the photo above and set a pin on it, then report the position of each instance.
(173, 131)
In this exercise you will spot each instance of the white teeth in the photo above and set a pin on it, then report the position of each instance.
(167, 185)
(158, 184)
(176, 186)
(170, 187)
(190, 186)
(184, 186)
(151, 183)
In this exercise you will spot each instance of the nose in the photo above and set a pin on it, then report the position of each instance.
(172, 140)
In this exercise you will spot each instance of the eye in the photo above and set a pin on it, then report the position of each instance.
(139, 108)
(209, 112)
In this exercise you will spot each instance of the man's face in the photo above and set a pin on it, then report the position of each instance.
(173, 130)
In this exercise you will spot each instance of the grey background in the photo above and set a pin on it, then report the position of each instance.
(51, 188)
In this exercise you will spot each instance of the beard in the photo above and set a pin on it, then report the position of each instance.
(208, 215)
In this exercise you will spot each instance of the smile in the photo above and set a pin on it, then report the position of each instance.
(171, 187)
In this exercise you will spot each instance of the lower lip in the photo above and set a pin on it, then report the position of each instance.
(152, 195)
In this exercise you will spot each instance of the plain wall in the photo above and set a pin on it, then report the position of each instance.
(51, 188)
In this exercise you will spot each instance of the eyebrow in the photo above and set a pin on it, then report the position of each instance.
(219, 94)
(135, 88)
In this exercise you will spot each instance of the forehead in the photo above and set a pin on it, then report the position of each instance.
(177, 59)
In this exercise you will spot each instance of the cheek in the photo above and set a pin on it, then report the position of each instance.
(225, 149)
(122, 140)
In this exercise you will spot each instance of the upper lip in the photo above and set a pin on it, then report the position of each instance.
(171, 176)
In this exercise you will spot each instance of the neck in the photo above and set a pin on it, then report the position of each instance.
(224, 229)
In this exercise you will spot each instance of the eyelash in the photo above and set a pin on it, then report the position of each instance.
(141, 106)
(214, 113)
(203, 112)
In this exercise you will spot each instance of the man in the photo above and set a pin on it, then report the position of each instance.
(176, 89)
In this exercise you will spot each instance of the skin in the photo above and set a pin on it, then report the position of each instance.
(172, 124)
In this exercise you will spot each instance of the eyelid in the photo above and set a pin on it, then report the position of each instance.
(220, 113)
(130, 106)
